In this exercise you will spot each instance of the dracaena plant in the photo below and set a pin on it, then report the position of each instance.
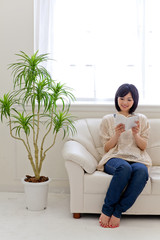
(36, 102)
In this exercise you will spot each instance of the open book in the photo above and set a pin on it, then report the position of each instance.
(129, 122)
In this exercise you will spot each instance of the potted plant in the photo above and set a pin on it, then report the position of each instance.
(37, 106)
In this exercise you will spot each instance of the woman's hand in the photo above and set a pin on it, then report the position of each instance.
(113, 141)
(120, 128)
(135, 130)
(141, 143)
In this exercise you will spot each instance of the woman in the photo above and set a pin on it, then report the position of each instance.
(125, 157)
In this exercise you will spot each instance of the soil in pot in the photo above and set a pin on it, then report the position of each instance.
(34, 180)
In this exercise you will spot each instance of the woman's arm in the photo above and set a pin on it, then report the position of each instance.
(141, 142)
(113, 140)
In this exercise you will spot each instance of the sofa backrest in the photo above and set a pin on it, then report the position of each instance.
(153, 147)
(88, 135)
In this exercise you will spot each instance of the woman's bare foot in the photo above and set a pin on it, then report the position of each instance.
(104, 220)
(114, 222)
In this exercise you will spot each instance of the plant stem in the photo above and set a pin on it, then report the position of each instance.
(26, 146)
(54, 140)
(43, 155)
(36, 149)
(31, 159)
(37, 127)
(43, 140)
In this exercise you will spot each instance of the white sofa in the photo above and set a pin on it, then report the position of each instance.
(89, 186)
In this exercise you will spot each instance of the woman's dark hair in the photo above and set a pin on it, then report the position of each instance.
(122, 91)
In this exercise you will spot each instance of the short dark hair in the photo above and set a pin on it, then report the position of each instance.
(122, 91)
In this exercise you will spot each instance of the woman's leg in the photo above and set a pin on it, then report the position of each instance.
(135, 186)
(121, 171)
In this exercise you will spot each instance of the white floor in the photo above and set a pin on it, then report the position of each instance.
(56, 222)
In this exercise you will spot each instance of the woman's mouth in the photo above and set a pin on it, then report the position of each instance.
(124, 106)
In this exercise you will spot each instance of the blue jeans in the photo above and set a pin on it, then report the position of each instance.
(127, 183)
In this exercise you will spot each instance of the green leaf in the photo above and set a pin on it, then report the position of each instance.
(22, 123)
(6, 104)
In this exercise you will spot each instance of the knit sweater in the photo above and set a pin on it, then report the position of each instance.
(126, 147)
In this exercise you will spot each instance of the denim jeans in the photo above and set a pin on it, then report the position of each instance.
(127, 183)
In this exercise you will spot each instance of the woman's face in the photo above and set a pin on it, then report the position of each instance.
(125, 103)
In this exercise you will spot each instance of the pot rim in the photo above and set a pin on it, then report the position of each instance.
(34, 183)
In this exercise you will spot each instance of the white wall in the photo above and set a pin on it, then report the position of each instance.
(17, 33)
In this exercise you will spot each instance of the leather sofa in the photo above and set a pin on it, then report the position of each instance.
(88, 187)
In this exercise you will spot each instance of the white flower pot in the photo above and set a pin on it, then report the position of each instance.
(36, 195)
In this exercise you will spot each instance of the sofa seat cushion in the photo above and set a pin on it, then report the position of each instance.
(155, 179)
(98, 183)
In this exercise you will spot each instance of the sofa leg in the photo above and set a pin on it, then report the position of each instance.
(76, 215)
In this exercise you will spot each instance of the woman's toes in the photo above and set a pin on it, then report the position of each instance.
(104, 221)
(114, 222)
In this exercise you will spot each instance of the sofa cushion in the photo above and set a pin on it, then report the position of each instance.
(155, 179)
(93, 126)
(153, 147)
(84, 136)
(74, 151)
(98, 182)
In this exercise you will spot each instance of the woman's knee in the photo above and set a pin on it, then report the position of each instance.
(125, 170)
(118, 166)
(141, 170)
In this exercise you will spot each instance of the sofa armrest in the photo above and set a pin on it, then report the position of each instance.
(76, 152)
(76, 183)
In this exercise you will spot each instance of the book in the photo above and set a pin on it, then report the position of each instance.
(129, 122)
